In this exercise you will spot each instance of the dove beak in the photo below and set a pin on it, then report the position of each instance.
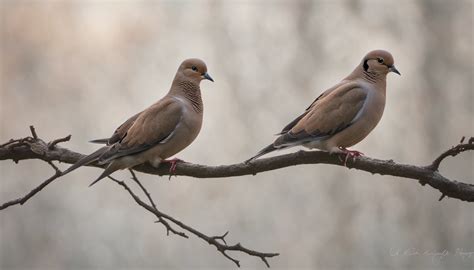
(394, 70)
(206, 76)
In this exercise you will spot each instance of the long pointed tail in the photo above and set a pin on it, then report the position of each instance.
(87, 159)
(113, 166)
(101, 141)
(262, 152)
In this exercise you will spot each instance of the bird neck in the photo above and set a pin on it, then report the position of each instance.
(191, 91)
(367, 76)
(373, 77)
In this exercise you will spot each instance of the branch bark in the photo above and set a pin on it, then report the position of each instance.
(33, 147)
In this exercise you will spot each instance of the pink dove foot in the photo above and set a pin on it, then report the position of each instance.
(349, 153)
(173, 163)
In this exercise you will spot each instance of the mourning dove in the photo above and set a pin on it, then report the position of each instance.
(158, 132)
(344, 114)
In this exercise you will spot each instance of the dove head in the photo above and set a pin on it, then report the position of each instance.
(378, 62)
(193, 70)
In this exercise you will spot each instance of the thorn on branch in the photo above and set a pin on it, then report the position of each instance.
(265, 261)
(222, 237)
(237, 262)
(442, 197)
(223, 248)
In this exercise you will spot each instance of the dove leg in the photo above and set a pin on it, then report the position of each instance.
(173, 163)
(349, 153)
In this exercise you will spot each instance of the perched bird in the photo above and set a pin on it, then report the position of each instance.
(158, 132)
(344, 114)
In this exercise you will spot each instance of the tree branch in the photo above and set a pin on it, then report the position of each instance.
(153, 205)
(212, 240)
(33, 192)
(31, 148)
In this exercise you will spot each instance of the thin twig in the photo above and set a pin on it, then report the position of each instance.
(221, 237)
(442, 197)
(160, 219)
(33, 132)
(212, 240)
(60, 140)
(33, 192)
(453, 151)
(135, 178)
(9, 142)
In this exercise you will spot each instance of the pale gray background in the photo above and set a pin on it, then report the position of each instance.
(83, 67)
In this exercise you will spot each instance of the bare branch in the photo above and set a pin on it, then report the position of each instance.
(221, 237)
(33, 192)
(35, 148)
(454, 151)
(212, 240)
(60, 140)
(30, 148)
(160, 218)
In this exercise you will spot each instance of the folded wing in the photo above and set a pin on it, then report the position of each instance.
(149, 128)
(327, 115)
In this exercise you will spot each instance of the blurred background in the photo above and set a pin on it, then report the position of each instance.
(83, 67)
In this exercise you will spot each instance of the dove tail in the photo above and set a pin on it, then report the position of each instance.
(262, 152)
(100, 141)
(87, 160)
(112, 167)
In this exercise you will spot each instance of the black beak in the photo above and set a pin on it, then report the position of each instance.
(207, 77)
(394, 70)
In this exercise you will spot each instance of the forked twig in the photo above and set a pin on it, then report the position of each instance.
(212, 240)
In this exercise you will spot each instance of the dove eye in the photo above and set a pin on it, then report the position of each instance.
(380, 60)
(194, 68)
